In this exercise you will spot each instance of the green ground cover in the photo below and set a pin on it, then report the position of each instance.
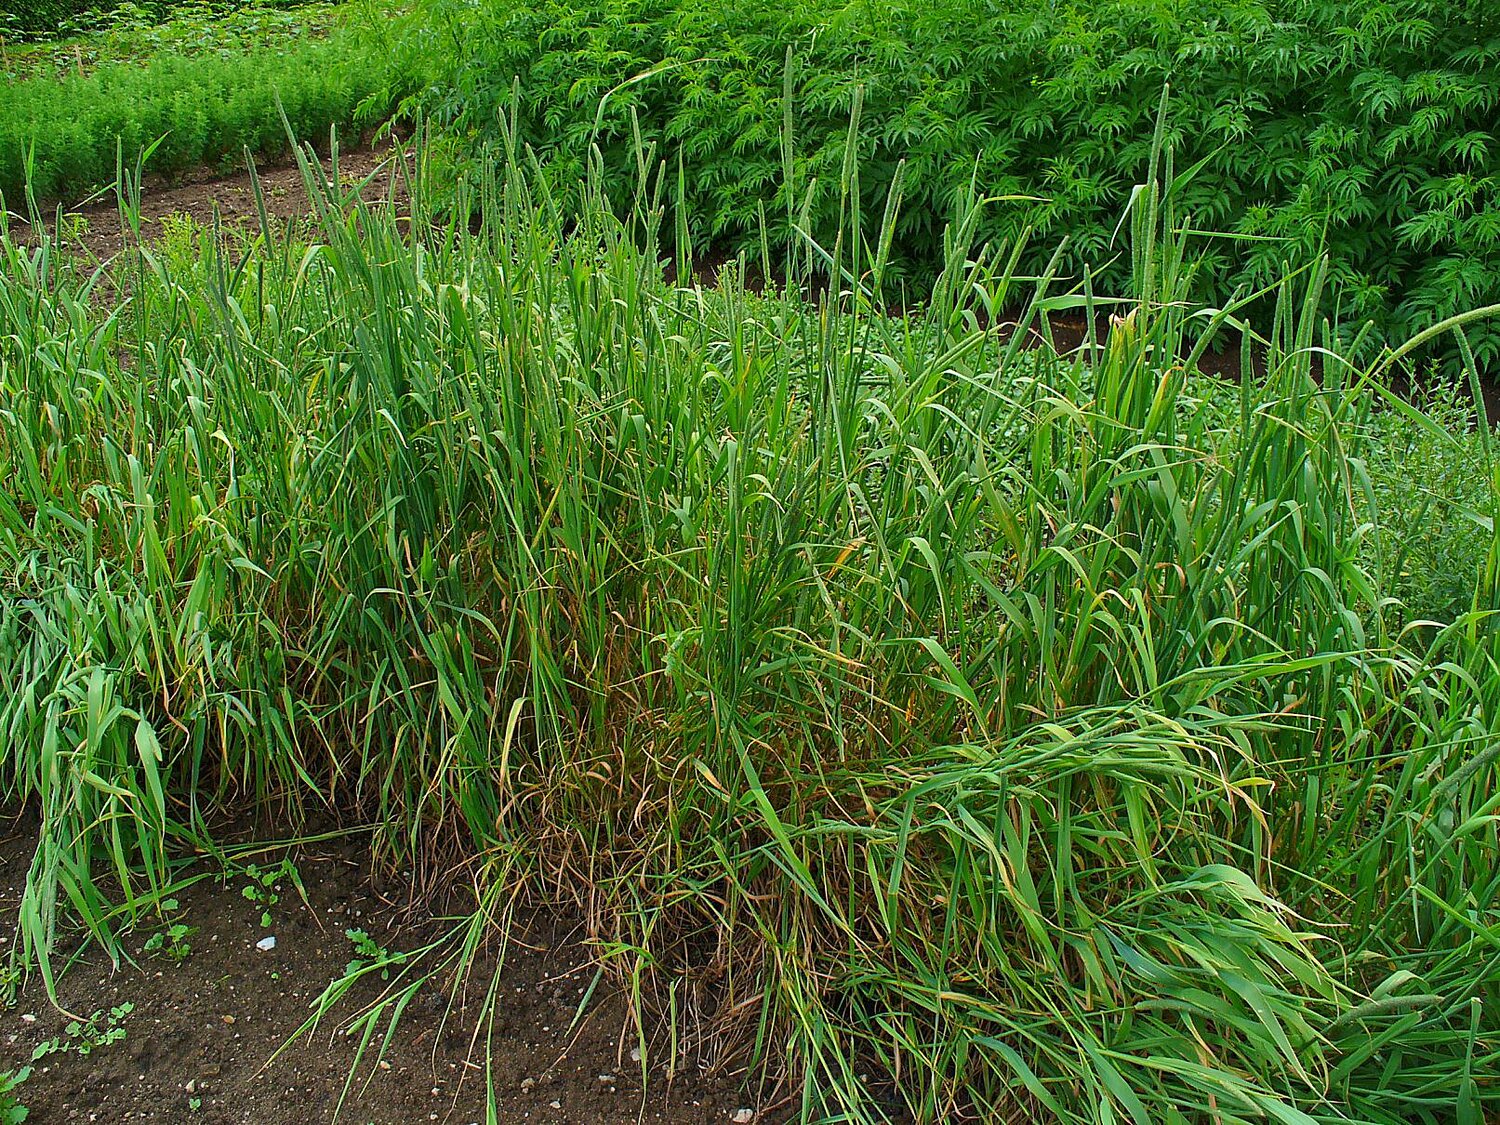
(62, 137)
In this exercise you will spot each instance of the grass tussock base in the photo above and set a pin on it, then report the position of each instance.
(1036, 732)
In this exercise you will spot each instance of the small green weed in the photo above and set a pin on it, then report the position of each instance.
(370, 952)
(72, 228)
(12, 1112)
(172, 941)
(84, 1037)
(264, 887)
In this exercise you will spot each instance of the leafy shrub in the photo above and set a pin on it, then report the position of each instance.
(1363, 125)
(27, 19)
(203, 110)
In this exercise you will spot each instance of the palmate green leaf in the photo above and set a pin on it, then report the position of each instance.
(1335, 108)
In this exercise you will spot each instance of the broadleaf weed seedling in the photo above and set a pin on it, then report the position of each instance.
(370, 952)
(84, 1037)
(12, 1111)
(264, 886)
(172, 941)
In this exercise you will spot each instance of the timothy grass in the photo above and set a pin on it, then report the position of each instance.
(949, 726)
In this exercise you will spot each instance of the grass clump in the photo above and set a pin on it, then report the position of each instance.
(957, 728)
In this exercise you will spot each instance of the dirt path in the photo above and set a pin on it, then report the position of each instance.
(96, 226)
(201, 1034)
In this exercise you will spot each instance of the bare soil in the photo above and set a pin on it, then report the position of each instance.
(200, 194)
(205, 1035)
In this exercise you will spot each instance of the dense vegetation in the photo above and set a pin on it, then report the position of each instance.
(37, 19)
(64, 137)
(131, 34)
(949, 723)
(41, 20)
(1359, 127)
(1362, 126)
(896, 700)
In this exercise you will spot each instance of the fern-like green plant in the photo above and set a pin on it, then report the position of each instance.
(1363, 128)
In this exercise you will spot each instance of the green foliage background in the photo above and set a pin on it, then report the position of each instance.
(35, 18)
(203, 109)
(45, 19)
(1365, 125)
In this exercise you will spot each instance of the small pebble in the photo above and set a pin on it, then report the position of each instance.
(266, 944)
(743, 1116)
